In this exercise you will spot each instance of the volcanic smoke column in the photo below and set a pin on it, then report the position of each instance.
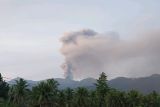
(70, 44)
(67, 67)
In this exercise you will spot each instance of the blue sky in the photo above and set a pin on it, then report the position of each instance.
(30, 29)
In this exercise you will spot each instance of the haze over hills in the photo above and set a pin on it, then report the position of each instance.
(143, 84)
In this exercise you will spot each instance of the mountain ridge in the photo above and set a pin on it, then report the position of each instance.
(142, 84)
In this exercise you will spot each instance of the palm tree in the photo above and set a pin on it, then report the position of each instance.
(116, 98)
(134, 99)
(152, 100)
(81, 97)
(61, 99)
(69, 94)
(93, 99)
(45, 93)
(18, 93)
(52, 84)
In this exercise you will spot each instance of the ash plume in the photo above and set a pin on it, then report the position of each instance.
(67, 67)
(89, 53)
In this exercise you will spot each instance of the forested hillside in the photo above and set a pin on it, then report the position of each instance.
(47, 94)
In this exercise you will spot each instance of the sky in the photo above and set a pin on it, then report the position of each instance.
(30, 30)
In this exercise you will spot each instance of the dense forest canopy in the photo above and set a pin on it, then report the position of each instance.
(47, 94)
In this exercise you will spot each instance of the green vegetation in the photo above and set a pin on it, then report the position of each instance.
(47, 94)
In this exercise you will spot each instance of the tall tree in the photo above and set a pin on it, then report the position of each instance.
(18, 93)
(102, 89)
(134, 99)
(69, 94)
(116, 98)
(45, 93)
(61, 99)
(93, 99)
(151, 100)
(81, 97)
(4, 88)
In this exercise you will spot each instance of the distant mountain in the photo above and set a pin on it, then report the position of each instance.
(65, 83)
(145, 84)
(30, 82)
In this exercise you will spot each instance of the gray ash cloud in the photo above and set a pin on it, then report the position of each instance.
(89, 53)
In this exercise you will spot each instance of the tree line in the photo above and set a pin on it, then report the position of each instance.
(47, 94)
